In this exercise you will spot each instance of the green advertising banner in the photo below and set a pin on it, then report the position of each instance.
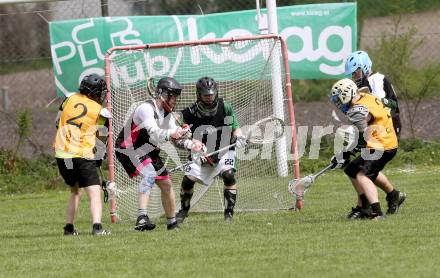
(319, 37)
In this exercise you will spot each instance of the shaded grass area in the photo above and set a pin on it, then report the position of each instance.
(315, 242)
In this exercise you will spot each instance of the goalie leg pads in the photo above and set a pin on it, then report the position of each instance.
(228, 177)
(185, 200)
(186, 193)
(187, 184)
(230, 196)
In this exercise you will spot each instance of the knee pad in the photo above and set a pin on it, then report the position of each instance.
(228, 177)
(187, 184)
(146, 185)
(148, 175)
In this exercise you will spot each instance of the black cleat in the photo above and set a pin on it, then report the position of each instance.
(143, 223)
(173, 226)
(97, 230)
(359, 213)
(181, 215)
(395, 201)
(70, 232)
(228, 217)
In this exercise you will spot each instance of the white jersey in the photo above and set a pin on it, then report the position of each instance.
(376, 83)
(159, 128)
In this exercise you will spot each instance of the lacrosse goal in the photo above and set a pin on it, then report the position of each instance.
(252, 74)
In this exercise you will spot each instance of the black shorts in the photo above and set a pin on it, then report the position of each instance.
(78, 170)
(371, 168)
(132, 167)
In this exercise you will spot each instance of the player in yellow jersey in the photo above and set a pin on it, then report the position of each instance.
(378, 144)
(74, 146)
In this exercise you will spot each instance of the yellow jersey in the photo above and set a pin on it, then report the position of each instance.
(77, 126)
(379, 133)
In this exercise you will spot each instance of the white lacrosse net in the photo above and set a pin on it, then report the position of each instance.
(244, 73)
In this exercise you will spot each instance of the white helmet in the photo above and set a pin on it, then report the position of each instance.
(342, 93)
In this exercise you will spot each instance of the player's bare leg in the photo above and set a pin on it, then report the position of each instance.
(72, 208)
(168, 202)
(370, 191)
(95, 204)
(143, 222)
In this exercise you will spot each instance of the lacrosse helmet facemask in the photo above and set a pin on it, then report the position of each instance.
(93, 86)
(206, 86)
(342, 93)
(168, 87)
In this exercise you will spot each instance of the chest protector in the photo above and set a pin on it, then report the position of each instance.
(214, 131)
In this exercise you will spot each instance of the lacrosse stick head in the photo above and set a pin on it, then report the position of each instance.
(298, 188)
(112, 190)
(266, 131)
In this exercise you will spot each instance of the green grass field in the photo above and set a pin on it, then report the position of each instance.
(315, 242)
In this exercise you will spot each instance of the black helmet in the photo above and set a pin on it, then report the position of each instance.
(207, 86)
(168, 87)
(93, 85)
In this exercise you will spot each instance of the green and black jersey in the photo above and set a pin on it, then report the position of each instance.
(218, 127)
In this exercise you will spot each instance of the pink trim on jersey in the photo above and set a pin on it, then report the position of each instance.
(161, 178)
(134, 133)
(140, 166)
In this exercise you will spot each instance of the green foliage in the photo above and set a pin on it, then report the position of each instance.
(413, 152)
(311, 90)
(374, 8)
(28, 175)
(24, 129)
(41, 173)
(394, 56)
(417, 152)
(24, 123)
(23, 66)
(316, 242)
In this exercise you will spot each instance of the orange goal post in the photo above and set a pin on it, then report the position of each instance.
(253, 75)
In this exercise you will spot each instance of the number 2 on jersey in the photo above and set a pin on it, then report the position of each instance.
(82, 114)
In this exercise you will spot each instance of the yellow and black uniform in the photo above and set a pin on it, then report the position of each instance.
(379, 134)
(75, 140)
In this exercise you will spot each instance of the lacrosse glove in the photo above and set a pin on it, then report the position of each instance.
(240, 141)
(340, 160)
(198, 153)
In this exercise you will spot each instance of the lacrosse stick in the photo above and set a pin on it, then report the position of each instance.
(298, 187)
(104, 184)
(271, 123)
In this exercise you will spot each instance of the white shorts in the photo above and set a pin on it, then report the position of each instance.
(206, 173)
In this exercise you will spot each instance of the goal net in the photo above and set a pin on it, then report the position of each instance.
(251, 75)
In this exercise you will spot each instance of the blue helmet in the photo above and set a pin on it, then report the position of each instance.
(358, 59)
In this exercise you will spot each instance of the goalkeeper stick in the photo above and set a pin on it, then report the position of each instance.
(298, 187)
(276, 125)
